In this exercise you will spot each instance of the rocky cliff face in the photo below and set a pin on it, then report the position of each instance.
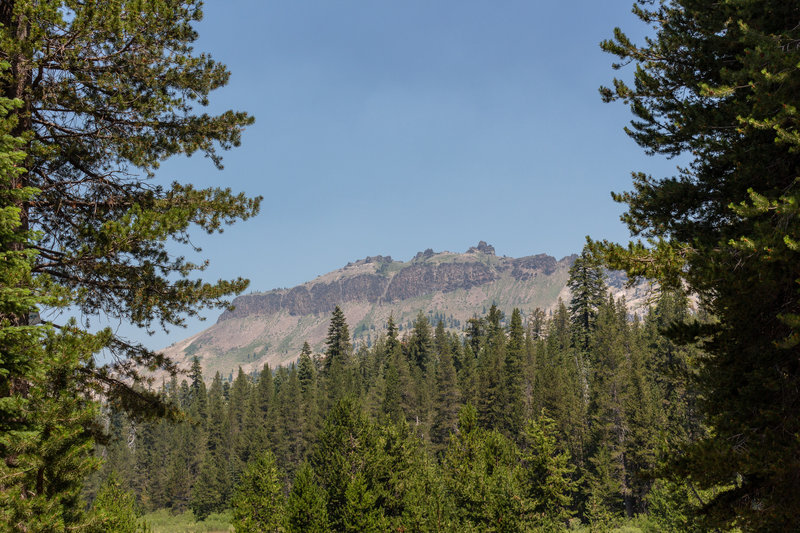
(271, 327)
(410, 280)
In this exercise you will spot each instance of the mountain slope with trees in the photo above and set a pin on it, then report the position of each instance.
(271, 327)
(525, 424)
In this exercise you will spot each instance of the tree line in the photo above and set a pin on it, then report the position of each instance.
(551, 419)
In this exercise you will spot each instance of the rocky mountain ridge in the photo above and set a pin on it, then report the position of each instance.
(384, 281)
(270, 327)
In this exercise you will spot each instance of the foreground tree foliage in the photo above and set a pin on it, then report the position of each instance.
(93, 96)
(719, 84)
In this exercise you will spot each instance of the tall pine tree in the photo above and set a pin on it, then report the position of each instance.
(718, 83)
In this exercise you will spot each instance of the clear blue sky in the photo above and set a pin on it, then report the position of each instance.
(391, 127)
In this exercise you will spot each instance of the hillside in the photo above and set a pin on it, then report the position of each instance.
(270, 327)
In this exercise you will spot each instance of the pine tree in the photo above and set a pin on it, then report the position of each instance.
(346, 445)
(513, 378)
(564, 385)
(468, 376)
(260, 417)
(719, 83)
(337, 363)
(337, 342)
(587, 285)
(236, 413)
(212, 488)
(490, 372)
(307, 377)
(398, 400)
(481, 470)
(306, 508)
(441, 340)
(611, 424)
(548, 475)
(46, 431)
(258, 501)
(48, 449)
(101, 94)
(476, 333)
(114, 510)
(289, 411)
(448, 402)
(420, 343)
(104, 228)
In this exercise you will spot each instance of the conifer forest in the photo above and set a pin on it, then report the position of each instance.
(680, 416)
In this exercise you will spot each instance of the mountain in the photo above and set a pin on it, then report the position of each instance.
(270, 327)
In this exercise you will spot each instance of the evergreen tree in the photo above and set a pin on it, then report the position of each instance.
(490, 372)
(619, 412)
(289, 406)
(94, 143)
(306, 508)
(448, 402)
(513, 377)
(337, 342)
(483, 478)
(101, 94)
(441, 340)
(398, 401)
(564, 385)
(468, 376)
(114, 511)
(345, 447)
(719, 83)
(258, 501)
(307, 376)
(45, 431)
(420, 343)
(260, 418)
(587, 285)
(236, 414)
(49, 449)
(548, 475)
(337, 363)
(476, 334)
(212, 488)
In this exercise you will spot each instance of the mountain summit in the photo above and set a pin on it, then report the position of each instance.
(270, 327)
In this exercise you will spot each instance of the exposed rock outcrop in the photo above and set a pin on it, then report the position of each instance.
(425, 278)
(422, 275)
(482, 248)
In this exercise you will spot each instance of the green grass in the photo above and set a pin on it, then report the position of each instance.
(162, 521)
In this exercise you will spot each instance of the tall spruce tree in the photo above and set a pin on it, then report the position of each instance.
(587, 285)
(337, 363)
(447, 404)
(513, 378)
(337, 343)
(398, 399)
(719, 84)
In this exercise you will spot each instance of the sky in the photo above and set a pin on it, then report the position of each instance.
(385, 128)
